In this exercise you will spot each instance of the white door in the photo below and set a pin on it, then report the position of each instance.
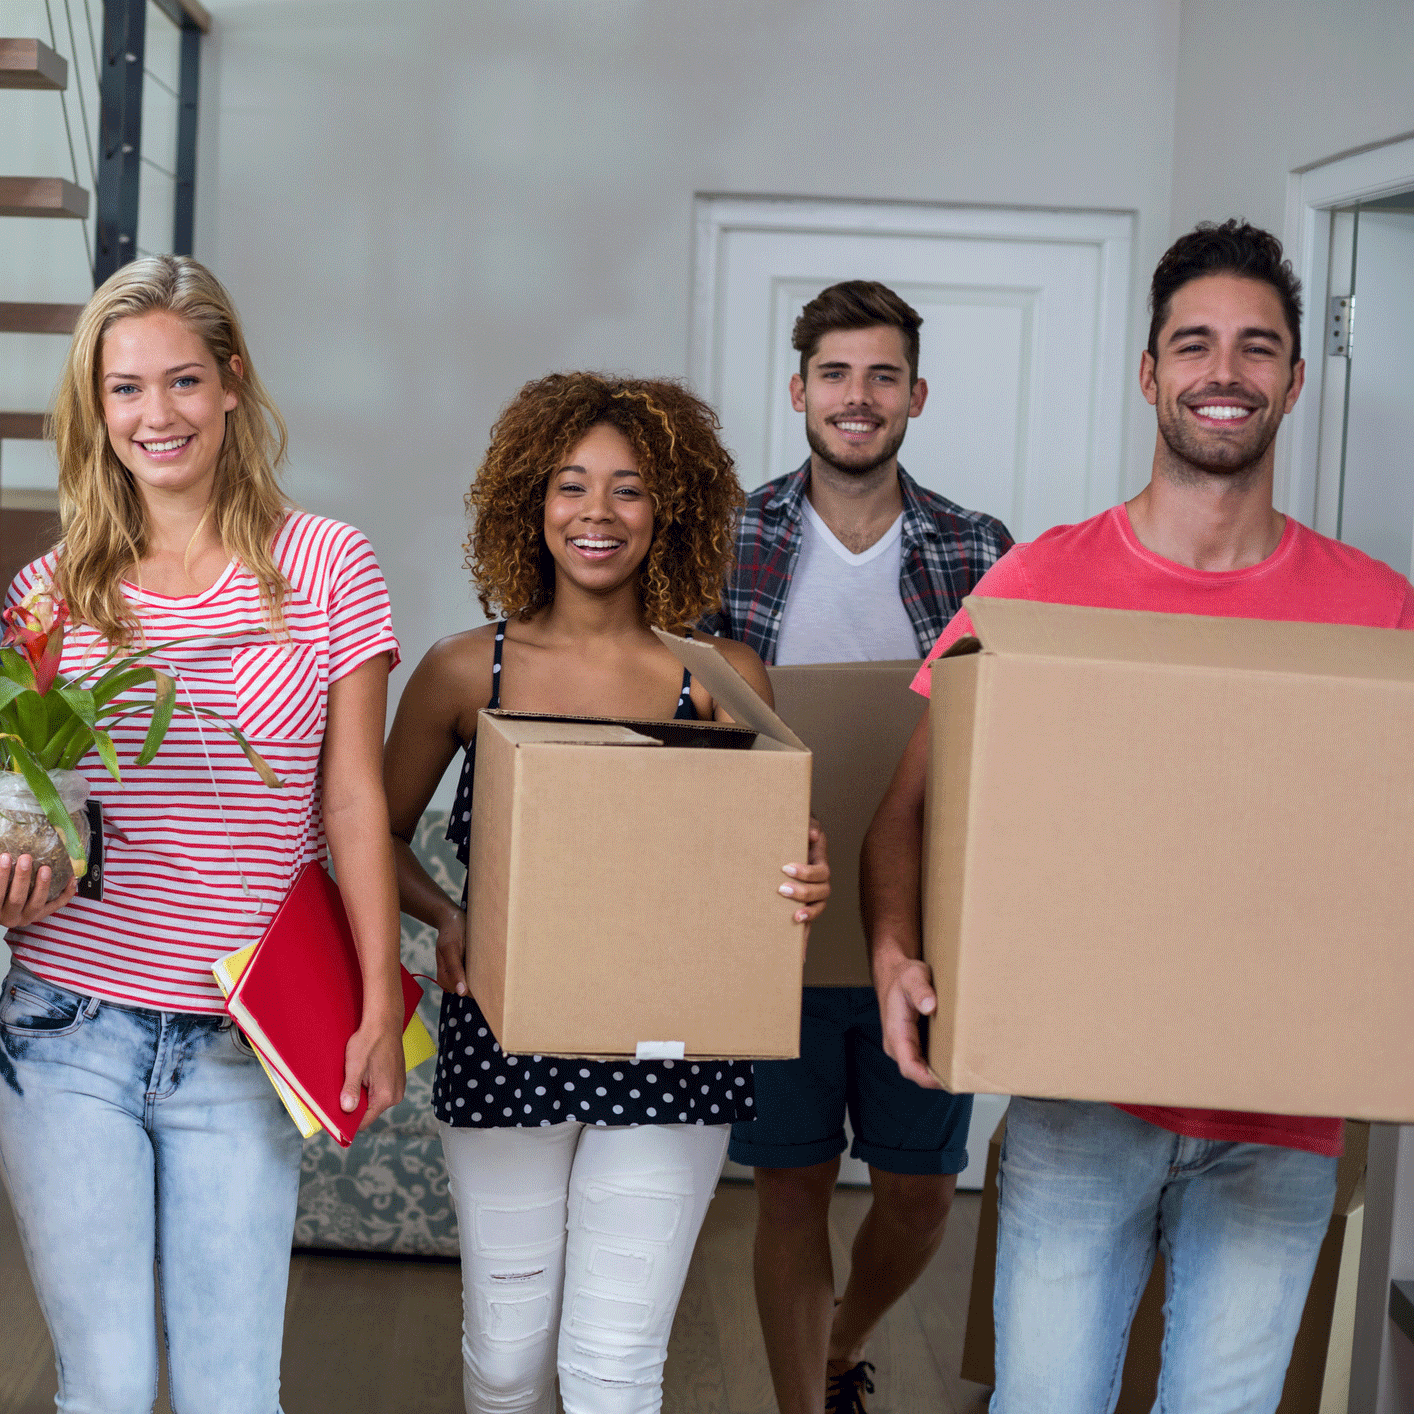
(1023, 341)
(1376, 485)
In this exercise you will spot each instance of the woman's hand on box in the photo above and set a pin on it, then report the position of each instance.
(905, 989)
(810, 882)
(24, 892)
(451, 952)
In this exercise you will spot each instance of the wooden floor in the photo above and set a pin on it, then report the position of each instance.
(383, 1337)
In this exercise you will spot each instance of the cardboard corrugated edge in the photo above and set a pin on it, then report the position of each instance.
(1031, 628)
(728, 688)
(953, 717)
(488, 890)
(526, 730)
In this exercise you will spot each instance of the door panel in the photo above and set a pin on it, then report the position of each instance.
(1023, 344)
(1377, 480)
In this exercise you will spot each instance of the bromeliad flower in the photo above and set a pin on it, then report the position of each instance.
(35, 626)
(49, 723)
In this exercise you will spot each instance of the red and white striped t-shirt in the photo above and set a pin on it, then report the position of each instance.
(198, 818)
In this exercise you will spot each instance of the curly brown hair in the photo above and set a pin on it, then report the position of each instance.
(687, 472)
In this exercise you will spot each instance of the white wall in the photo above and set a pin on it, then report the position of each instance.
(1268, 87)
(420, 206)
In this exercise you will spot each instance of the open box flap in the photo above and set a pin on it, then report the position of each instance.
(1027, 628)
(567, 731)
(728, 688)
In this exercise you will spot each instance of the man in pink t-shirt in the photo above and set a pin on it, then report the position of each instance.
(1239, 1203)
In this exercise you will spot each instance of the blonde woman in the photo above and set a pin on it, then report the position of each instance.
(135, 1122)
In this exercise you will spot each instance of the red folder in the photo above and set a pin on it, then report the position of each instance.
(301, 997)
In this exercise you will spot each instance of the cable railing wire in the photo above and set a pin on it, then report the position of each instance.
(69, 131)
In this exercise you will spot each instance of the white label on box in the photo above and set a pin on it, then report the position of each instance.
(660, 1050)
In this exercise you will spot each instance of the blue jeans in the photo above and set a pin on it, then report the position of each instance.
(1087, 1195)
(126, 1136)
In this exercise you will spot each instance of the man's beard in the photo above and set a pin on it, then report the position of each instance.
(856, 468)
(1216, 458)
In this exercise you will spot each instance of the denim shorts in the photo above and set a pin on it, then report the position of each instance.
(800, 1104)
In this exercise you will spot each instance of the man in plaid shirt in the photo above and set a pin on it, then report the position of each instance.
(848, 558)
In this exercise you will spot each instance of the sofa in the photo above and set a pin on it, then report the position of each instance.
(387, 1192)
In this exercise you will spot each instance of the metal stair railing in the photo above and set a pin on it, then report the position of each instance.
(114, 172)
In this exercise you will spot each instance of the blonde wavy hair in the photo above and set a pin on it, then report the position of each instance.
(105, 531)
(687, 471)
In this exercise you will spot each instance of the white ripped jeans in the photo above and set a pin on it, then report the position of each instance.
(575, 1241)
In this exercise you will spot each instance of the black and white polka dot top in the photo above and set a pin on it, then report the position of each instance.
(477, 1085)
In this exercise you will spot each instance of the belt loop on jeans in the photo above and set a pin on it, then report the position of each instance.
(91, 1010)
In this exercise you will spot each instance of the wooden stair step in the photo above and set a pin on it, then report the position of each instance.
(22, 426)
(42, 196)
(28, 63)
(38, 318)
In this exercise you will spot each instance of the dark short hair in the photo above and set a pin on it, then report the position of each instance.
(856, 304)
(1234, 248)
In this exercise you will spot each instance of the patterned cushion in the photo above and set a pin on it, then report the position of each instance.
(387, 1192)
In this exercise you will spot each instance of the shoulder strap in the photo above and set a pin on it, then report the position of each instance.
(496, 668)
(685, 696)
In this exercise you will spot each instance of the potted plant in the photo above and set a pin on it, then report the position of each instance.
(48, 724)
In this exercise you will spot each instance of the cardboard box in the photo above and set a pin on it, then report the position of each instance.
(624, 878)
(1318, 1377)
(1150, 840)
(856, 718)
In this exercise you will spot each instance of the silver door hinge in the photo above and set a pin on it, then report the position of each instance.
(1340, 325)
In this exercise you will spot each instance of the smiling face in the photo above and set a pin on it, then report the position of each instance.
(856, 398)
(598, 513)
(164, 404)
(1224, 378)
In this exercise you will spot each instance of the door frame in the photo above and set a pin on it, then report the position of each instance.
(1312, 194)
(718, 215)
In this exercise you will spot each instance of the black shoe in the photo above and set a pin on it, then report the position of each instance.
(844, 1393)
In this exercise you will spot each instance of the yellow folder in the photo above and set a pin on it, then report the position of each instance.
(418, 1045)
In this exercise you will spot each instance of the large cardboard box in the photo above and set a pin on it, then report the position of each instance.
(856, 718)
(624, 875)
(1318, 1377)
(1167, 861)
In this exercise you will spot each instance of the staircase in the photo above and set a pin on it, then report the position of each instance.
(29, 521)
(27, 524)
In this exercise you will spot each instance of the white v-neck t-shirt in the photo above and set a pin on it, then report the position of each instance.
(844, 607)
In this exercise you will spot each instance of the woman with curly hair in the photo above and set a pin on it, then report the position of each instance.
(603, 509)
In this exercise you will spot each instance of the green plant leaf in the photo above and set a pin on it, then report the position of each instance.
(80, 701)
(262, 766)
(129, 659)
(9, 690)
(107, 753)
(68, 752)
(61, 742)
(15, 666)
(44, 792)
(117, 682)
(33, 715)
(166, 699)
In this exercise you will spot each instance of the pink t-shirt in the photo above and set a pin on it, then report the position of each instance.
(1307, 578)
(208, 851)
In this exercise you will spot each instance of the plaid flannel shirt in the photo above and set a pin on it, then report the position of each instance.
(945, 551)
